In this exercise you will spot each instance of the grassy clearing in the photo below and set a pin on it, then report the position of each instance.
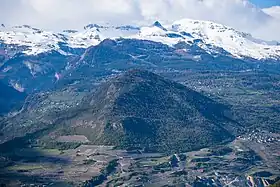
(154, 161)
(25, 167)
(50, 152)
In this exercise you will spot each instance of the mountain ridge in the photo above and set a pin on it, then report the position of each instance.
(194, 32)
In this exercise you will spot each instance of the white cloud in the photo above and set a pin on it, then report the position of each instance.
(273, 11)
(61, 14)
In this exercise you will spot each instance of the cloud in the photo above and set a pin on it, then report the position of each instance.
(62, 14)
(273, 11)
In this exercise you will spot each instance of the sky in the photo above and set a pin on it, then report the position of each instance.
(243, 15)
(266, 3)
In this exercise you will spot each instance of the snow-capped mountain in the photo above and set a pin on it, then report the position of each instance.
(39, 41)
(204, 34)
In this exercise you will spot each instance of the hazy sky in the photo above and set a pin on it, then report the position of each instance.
(74, 14)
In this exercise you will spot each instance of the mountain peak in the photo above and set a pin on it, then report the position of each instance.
(159, 25)
(107, 42)
(94, 26)
(142, 109)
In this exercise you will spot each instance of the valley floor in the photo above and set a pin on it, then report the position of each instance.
(250, 160)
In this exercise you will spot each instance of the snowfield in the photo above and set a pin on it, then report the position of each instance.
(205, 34)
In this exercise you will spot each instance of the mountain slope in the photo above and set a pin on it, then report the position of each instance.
(9, 98)
(142, 109)
(34, 73)
(47, 70)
